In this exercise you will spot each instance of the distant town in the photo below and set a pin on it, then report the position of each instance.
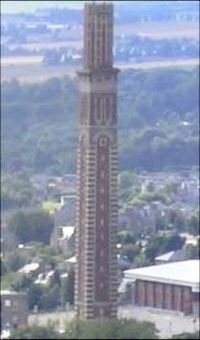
(53, 37)
(157, 225)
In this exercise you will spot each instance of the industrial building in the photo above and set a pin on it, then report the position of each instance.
(172, 286)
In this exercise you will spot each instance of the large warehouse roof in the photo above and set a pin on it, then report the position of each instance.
(185, 273)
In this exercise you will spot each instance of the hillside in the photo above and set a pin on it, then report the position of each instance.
(158, 122)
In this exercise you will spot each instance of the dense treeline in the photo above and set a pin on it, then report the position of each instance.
(31, 226)
(158, 122)
(159, 119)
(92, 329)
(97, 329)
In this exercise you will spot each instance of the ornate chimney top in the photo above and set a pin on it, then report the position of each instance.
(98, 35)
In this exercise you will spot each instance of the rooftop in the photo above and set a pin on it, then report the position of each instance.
(71, 260)
(185, 273)
(166, 256)
(10, 292)
(43, 278)
(173, 256)
(29, 268)
(67, 232)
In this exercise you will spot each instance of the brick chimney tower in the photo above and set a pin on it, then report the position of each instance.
(97, 211)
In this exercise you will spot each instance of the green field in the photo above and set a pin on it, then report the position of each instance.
(37, 72)
(51, 206)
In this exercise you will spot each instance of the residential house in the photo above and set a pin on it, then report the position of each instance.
(63, 238)
(14, 310)
(172, 256)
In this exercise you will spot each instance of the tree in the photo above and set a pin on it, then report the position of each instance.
(50, 298)
(44, 254)
(36, 332)
(173, 242)
(130, 251)
(162, 244)
(192, 252)
(186, 336)
(91, 329)
(110, 329)
(28, 111)
(22, 282)
(125, 236)
(3, 268)
(17, 190)
(29, 226)
(99, 329)
(46, 297)
(14, 260)
(55, 278)
(141, 260)
(35, 296)
(127, 179)
(194, 224)
(161, 223)
(176, 219)
(67, 289)
(136, 330)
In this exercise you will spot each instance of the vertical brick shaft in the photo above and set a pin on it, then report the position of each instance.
(97, 210)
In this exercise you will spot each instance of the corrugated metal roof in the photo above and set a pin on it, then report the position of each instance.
(185, 273)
